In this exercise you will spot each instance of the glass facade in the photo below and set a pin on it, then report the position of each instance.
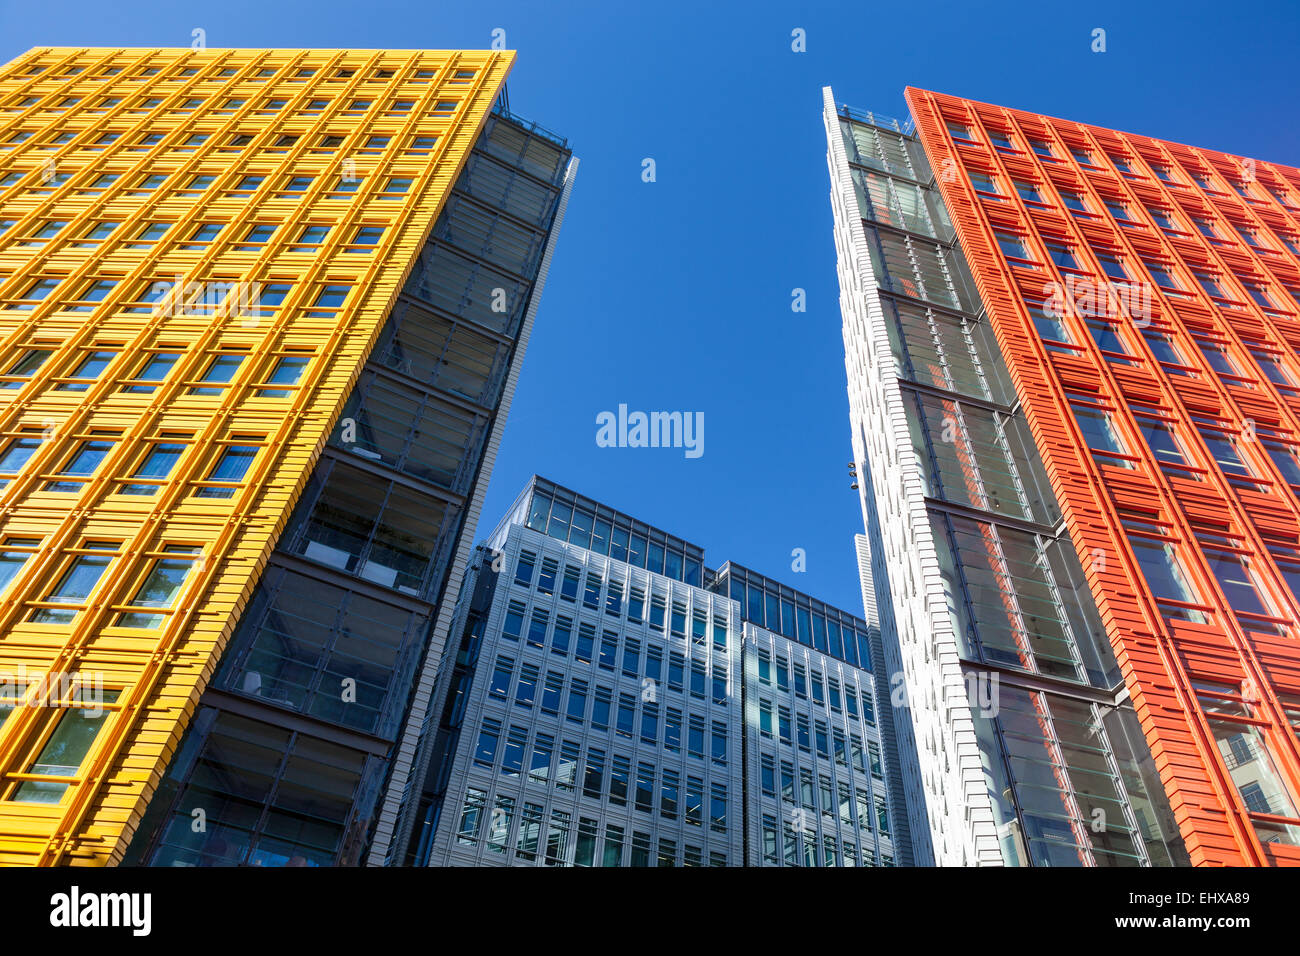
(785, 611)
(568, 517)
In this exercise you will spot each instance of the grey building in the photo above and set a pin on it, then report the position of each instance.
(815, 754)
(611, 703)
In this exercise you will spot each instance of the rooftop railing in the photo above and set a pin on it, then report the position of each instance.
(906, 127)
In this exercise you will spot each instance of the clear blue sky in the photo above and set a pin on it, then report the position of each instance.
(676, 294)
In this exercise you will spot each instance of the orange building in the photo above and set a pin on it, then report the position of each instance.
(1143, 296)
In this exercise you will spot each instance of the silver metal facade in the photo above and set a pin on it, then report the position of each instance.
(816, 777)
(596, 761)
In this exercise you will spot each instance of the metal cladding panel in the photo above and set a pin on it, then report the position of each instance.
(1171, 276)
(213, 144)
(921, 647)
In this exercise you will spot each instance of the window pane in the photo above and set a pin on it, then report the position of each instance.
(64, 752)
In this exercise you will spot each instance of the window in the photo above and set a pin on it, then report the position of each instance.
(1011, 244)
(1206, 229)
(1122, 165)
(38, 291)
(150, 234)
(471, 817)
(27, 365)
(153, 469)
(539, 765)
(502, 673)
(1160, 438)
(258, 236)
(86, 371)
(1107, 336)
(1163, 348)
(1246, 753)
(310, 239)
(17, 453)
(1217, 357)
(76, 584)
(1259, 294)
(96, 234)
(1112, 266)
(346, 185)
(270, 296)
(220, 371)
(537, 628)
(1073, 200)
(395, 188)
(650, 723)
(229, 470)
(1164, 278)
(328, 300)
(512, 761)
(70, 733)
(614, 598)
(14, 555)
(160, 588)
(626, 721)
(1061, 254)
(1224, 449)
(1209, 283)
(560, 637)
(287, 371)
(81, 466)
(1028, 192)
(45, 233)
(1049, 326)
(1098, 431)
(718, 808)
(365, 239)
(984, 183)
(1162, 218)
(524, 568)
(155, 369)
(1164, 573)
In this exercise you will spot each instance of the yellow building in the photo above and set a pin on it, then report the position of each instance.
(197, 251)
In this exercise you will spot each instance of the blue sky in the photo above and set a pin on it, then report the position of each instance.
(675, 295)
